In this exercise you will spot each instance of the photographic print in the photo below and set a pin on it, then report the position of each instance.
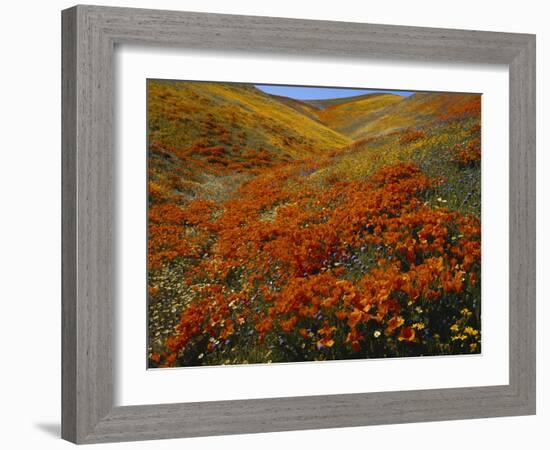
(299, 223)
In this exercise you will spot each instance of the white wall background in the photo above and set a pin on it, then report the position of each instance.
(30, 222)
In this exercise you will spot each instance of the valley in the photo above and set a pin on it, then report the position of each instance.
(287, 230)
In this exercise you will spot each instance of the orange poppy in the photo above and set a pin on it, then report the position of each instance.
(407, 334)
(394, 323)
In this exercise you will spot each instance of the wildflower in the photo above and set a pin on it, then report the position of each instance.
(340, 315)
(326, 330)
(264, 326)
(407, 334)
(288, 325)
(228, 329)
(393, 323)
(325, 342)
(354, 318)
(293, 279)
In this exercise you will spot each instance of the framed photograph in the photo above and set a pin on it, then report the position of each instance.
(279, 224)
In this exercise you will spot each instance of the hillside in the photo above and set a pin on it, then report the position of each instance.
(299, 105)
(273, 238)
(330, 102)
(419, 110)
(440, 132)
(347, 117)
(200, 132)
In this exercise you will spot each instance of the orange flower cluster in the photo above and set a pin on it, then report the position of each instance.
(358, 269)
(174, 231)
(411, 135)
(467, 155)
(460, 110)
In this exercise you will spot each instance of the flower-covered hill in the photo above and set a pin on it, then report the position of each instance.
(201, 132)
(449, 149)
(369, 250)
(301, 106)
(419, 110)
(346, 117)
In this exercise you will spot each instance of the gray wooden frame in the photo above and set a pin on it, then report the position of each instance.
(89, 37)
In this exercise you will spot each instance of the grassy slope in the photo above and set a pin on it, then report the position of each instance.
(330, 102)
(347, 117)
(432, 150)
(204, 135)
(381, 124)
(184, 113)
(418, 110)
(300, 106)
(182, 117)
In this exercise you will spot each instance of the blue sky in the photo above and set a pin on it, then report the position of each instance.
(320, 93)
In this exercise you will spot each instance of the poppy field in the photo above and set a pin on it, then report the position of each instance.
(290, 230)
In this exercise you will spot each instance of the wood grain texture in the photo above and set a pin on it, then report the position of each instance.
(523, 224)
(89, 37)
(68, 226)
